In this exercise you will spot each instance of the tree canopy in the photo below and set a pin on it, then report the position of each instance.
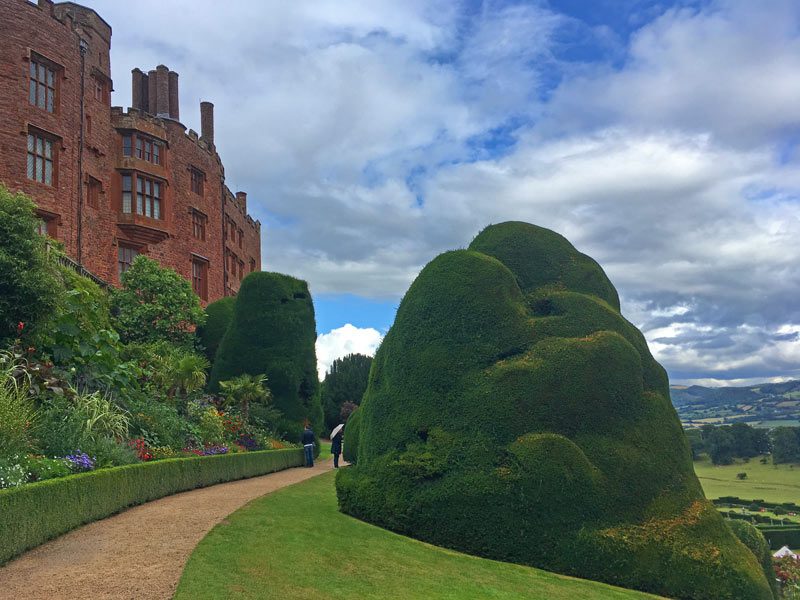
(345, 381)
(29, 286)
(156, 304)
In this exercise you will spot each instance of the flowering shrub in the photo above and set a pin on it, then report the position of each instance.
(80, 461)
(159, 452)
(787, 571)
(41, 468)
(12, 473)
(208, 450)
(247, 441)
(141, 449)
(211, 426)
(233, 425)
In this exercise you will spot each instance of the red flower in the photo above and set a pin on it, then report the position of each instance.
(20, 327)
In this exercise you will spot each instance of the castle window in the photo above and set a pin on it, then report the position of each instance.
(93, 189)
(148, 195)
(197, 177)
(127, 193)
(252, 264)
(125, 257)
(101, 90)
(42, 84)
(41, 158)
(200, 277)
(145, 148)
(199, 221)
(241, 269)
(241, 236)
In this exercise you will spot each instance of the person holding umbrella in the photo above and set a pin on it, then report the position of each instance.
(336, 444)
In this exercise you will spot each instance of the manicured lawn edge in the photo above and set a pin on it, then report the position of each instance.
(32, 514)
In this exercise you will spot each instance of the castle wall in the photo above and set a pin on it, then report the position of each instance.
(81, 201)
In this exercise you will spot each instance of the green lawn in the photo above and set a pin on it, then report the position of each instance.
(325, 450)
(295, 544)
(773, 483)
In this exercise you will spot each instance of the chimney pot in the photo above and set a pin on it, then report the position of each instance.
(162, 91)
(241, 197)
(152, 94)
(139, 90)
(174, 106)
(207, 122)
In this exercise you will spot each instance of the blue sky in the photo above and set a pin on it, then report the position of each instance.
(659, 137)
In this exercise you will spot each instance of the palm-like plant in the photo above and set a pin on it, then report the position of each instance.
(245, 389)
(189, 372)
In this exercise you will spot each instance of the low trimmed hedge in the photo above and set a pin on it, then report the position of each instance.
(781, 536)
(34, 513)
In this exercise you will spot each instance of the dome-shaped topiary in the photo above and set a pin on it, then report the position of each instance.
(218, 316)
(512, 412)
(351, 432)
(273, 332)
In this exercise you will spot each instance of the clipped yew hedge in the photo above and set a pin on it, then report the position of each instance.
(350, 442)
(32, 514)
(218, 316)
(273, 332)
(512, 412)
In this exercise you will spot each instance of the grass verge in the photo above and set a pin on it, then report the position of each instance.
(296, 544)
(772, 483)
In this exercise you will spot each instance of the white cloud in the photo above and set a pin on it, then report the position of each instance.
(342, 341)
(352, 125)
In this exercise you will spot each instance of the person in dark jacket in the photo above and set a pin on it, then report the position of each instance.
(308, 445)
(336, 447)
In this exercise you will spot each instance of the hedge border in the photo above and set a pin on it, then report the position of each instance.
(35, 513)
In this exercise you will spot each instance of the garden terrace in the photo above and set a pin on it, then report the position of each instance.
(37, 512)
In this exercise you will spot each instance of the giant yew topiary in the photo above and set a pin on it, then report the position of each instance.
(513, 413)
(273, 332)
(218, 316)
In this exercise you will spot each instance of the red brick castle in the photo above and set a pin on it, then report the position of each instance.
(111, 184)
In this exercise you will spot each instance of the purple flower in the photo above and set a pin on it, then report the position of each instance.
(80, 461)
(212, 450)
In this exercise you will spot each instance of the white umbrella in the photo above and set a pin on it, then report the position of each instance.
(336, 430)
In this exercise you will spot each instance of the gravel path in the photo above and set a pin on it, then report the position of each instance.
(137, 554)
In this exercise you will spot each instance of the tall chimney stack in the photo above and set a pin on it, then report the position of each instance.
(241, 197)
(174, 107)
(207, 122)
(152, 93)
(136, 88)
(162, 90)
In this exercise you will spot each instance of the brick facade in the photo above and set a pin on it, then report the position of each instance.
(125, 182)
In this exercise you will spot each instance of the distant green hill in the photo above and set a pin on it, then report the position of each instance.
(766, 404)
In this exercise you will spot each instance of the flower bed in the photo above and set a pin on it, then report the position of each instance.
(32, 514)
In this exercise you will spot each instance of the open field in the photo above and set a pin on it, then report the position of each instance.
(295, 544)
(772, 483)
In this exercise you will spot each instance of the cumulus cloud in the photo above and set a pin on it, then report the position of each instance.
(342, 341)
(373, 135)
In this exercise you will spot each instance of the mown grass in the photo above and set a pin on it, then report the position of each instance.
(772, 483)
(324, 450)
(296, 544)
